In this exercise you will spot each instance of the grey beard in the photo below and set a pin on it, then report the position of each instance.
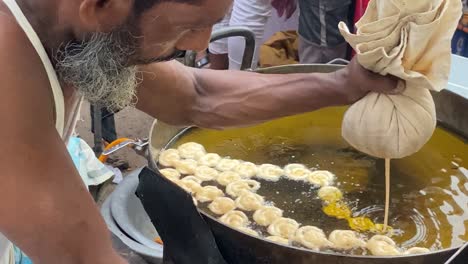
(97, 69)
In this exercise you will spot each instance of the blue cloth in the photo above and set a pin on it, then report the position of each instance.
(91, 170)
(74, 150)
(21, 258)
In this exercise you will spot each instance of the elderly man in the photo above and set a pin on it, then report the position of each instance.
(52, 52)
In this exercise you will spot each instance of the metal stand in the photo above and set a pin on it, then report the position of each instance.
(97, 115)
(228, 32)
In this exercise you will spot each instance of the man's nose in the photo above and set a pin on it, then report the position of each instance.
(195, 40)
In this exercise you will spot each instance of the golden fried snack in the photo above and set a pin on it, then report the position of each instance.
(235, 219)
(246, 169)
(311, 237)
(191, 150)
(209, 159)
(416, 250)
(208, 194)
(249, 201)
(205, 173)
(192, 178)
(270, 172)
(330, 194)
(187, 166)
(227, 177)
(222, 205)
(380, 245)
(321, 178)
(236, 188)
(227, 164)
(296, 172)
(168, 157)
(170, 174)
(345, 239)
(265, 215)
(190, 184)
(283, 227)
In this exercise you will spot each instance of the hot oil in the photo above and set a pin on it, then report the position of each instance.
(429, 196)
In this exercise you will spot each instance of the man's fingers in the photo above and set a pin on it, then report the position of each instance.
(385, 84)
(371, 81)
(400, 87)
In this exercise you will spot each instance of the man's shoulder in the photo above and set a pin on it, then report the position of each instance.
(14, 42)
(23, 79)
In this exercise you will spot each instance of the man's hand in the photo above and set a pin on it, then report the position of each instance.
(358, 82)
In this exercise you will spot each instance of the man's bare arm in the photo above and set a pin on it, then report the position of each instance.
(180, 95)
(45, 208)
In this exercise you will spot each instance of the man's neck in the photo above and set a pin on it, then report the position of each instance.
(45, 17)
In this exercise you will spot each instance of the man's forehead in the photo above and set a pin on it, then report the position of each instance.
(204, 14)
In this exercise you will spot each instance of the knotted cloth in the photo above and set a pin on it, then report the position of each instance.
(410, 39)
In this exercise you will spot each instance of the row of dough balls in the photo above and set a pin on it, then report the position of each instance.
(192, 158)
(285, 231)
(282, 230)
(241, 190)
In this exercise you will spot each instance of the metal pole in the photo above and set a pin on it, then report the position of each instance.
(97, 123)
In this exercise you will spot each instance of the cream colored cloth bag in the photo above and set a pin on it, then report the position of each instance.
(410, 39)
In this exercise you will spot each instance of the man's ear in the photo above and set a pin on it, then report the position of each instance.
(104, 15)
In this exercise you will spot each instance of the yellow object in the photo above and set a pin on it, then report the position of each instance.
(158, 240)
(333, 207)
(280, 49)
(114, 143)
(361, 224)
(338, 210)
(379, 229)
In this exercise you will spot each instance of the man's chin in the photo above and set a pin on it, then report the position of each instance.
(118, 95)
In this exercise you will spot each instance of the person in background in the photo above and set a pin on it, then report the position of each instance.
(227, 53)
(460, 38)
(320, 39)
